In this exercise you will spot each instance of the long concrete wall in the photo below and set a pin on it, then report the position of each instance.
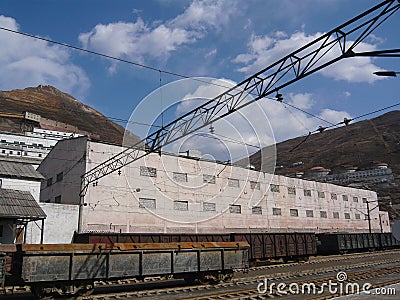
(178, 194)
(59, 226)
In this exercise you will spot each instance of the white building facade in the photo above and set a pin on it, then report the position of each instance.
(169, 193)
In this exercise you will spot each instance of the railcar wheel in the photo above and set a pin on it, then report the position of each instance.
(209, 278)
(190, 279)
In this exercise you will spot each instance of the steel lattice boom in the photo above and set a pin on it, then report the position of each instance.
(329, 48)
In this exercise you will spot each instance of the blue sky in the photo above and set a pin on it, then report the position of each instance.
(218, 39)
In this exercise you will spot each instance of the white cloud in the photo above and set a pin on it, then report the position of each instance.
(259, 124)
(203, 14)
(267, 49)
(28, 62)
(140, 41)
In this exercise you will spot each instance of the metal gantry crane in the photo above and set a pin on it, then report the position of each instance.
(329, 48)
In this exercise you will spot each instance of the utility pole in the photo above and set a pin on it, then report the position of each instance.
(369, 217)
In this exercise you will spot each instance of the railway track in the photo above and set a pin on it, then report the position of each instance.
(241, 284)
(246, 287)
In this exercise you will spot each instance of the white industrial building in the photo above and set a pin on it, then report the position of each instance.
(170, 193)
(30, 147)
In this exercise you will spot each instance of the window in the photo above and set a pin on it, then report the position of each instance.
(336, 215)
(323, 214)
(333, 196)
(40, 154)
(355, 199)
(294, 212)
(321, 195)
(1, 230)
(307, 193)
(291, 190)
(274, 188)
(276, 211)
(347, 216)
(60, 176)
(345, 198)
(50, 181)
(57, 199)
(235, 209)
(148, 171)
(364, 200)
(1, 183)
(256, 210)
(233, 182)
(309, 213)
(180, 177)
(357, 216)
(254, 185)
(208, 179)
(11, 152)
(3, 151)
(147, 203)
(181, 205)
(208, 206)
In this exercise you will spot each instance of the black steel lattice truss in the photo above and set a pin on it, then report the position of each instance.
(329, 48)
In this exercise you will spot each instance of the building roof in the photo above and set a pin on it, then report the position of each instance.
(19, 170)
(19, 205)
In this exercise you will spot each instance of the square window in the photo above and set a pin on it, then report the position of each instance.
(364, 200)
(355, 199)
(256, 210)
(208, 206)
(291, 190)
(294, 212)
(307, 193)
(233, 182)
(323, 214)
(336, 215)
(321, 195)
(147, 203)
(50, 181)
(309, 213)
(333, 196)
(274, 188)
(181, 205)
(235, 209)
(345, 198)
(347, 216)
(148, 171)
(357, 216)
(180, 177)
(254, 185)
(60, 176)
(57, 199)
(276, 211)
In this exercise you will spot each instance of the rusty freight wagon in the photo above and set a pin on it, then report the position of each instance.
(263, 246)
(72, 269)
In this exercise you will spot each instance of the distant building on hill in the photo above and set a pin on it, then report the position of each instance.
(378, 172)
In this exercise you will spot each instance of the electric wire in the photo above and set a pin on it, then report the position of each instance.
(134, 63)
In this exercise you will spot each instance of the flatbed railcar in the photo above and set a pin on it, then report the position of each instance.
(71, 269)
(263, 246)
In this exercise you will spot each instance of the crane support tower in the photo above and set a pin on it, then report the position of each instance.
(331, 47)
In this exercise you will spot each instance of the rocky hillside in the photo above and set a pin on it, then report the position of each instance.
(51, 103)
(357, 144)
